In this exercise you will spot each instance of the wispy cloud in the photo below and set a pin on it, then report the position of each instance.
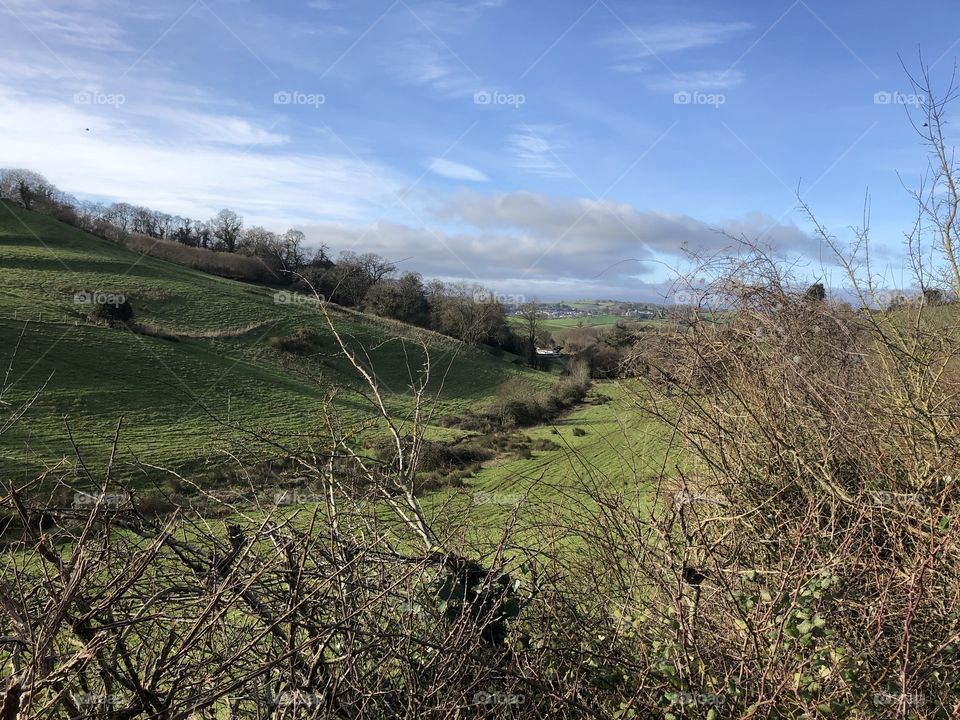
(420, 50)
(456, 171)
(696, 80)
(664, 39)
(421, 62)
(224, 129)
(447, 16)
(80, 24)
(536, 149)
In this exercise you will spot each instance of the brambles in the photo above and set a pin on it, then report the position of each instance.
(806, 418)
(303, 341)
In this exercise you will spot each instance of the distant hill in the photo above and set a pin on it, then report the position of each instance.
(217, 354)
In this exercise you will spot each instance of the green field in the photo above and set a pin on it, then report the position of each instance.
(603, 448)
(619, 453)
(566, 323)
(186, 403)
(588, 321)
(559, 327)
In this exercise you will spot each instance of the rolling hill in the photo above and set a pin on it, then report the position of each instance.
(185, 398)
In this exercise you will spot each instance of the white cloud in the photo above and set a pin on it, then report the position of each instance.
(603, 225)
(530, 243)
(629, 67)
(417, 49)
(650, 40)
(456, 171)
(41, 66)
(447, 16)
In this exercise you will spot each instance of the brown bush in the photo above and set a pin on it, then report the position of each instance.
(303, 341)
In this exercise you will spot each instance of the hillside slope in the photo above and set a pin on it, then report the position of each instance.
(183, 402)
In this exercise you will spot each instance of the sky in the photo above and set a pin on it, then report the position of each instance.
(558, 149)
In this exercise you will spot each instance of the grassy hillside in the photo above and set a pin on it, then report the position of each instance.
(182, 400)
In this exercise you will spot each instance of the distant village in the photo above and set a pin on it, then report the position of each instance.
(636, 311)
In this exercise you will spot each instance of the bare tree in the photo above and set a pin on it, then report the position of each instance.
(226, 227)
(293, 254)
(938, 196)
(532, 317)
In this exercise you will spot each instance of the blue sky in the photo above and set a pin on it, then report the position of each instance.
(558, 148)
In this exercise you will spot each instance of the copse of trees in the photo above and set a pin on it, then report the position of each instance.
(402, 299)
(26, 187)
(467, 311)
(464, 311)
(348, 281)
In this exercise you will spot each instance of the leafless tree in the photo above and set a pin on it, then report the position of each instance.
(226, 227)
